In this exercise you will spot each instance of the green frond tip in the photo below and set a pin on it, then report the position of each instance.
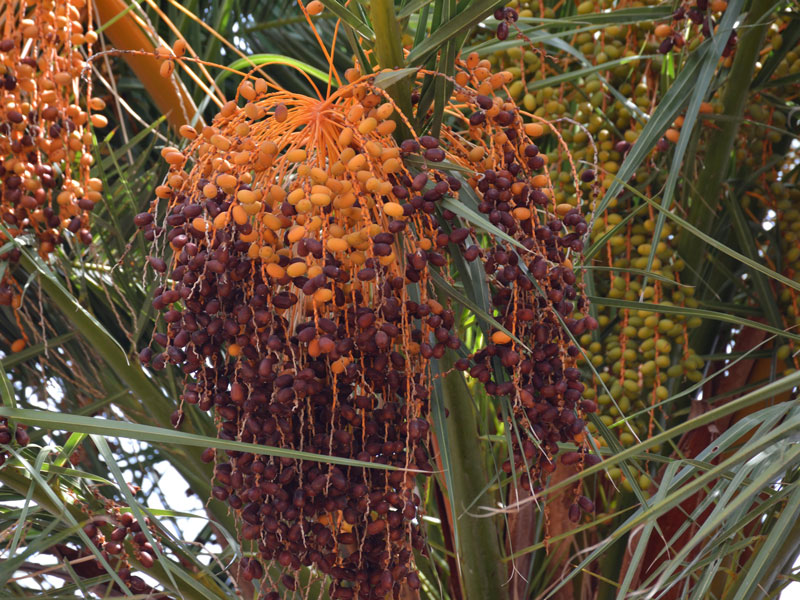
(259, 60)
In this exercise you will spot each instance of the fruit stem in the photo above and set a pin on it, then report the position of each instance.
(704, 208)
(478, 545)
(388, 48)
(389, 51)
(172, 99)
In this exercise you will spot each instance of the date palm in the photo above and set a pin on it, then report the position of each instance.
(657, 133)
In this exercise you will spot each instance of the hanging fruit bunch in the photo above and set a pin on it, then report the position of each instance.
(297, 325)
(46, 192)
(12, 435)
(297, 239)
(533, 287)
(641, 357)
(44, 175)
(695, 21)
(119, 538)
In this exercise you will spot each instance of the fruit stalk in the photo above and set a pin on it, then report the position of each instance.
(389, 51)
(718, 162)
(173, 101)
(478, 547)
(721, 140)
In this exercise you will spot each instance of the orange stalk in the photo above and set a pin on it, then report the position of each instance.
(173, 101)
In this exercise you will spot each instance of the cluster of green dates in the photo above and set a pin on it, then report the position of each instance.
(790, 63)
(762, 128)
(788, 209)
(639, 357)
